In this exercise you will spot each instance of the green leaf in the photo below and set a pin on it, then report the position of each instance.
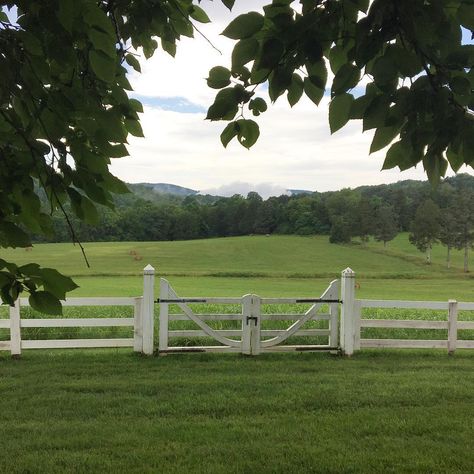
(313, 92)
(383, 137)
(133, 61)
(295, 91)
(66, 13)
(460, 85)
(102, 65)
(248, 132)
(456, 160)
(95, 16)
(339, 111)
(257, 106)
(228, 3)
(56, 283)
(375, 113)
(435, 166)
(337, 57)
(346, 78)
(226, 103)
(244, 26)
(134, 127)
(244, 51)
(399, 155)
(102, 42)
(136, 105)
(198, 14)
(219, 77)
(13, 236)
(45, 302)
(229, 133)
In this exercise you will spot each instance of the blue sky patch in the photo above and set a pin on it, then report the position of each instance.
(174, 104)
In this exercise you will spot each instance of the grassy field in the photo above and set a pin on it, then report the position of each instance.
(295, 413)
(113, 411)
(270, 266)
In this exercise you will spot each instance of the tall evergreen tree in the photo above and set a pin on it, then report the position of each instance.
(425, 227)
(385, 224)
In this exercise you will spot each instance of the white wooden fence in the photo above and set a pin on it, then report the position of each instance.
(249, 338)
(343, 313)
(352, 322)
(142, 323)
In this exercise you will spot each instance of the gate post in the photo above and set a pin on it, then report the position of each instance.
(348, 313)
(148, 309)
(246, 324)
(255, 335)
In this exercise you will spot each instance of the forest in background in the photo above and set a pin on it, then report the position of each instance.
(443, 213)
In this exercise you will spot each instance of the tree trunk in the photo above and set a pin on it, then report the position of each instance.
(448, 257)
(428, 255)
(466, 258)
(384, 244)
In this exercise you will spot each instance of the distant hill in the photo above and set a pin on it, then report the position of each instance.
(167, 188)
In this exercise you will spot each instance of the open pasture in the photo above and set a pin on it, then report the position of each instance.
(113, 411)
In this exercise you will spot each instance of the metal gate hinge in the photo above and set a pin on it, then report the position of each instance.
(252, 318)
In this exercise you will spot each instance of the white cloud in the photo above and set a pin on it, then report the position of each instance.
(239, 187)
(295, 149)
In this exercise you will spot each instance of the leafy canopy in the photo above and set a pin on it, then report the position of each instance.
(65, 109)
(399, 66)
(65, 112)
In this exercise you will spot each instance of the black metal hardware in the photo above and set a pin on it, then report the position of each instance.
(181, 300)
(316, 300)
(252, 318)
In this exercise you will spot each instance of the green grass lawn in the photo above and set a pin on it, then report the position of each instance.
(110, 411)
(284, 256)
(113, 411)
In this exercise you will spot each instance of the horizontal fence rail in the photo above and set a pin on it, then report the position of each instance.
(452, 325)
(16, 323)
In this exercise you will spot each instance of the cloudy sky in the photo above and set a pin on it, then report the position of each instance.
(295, 149)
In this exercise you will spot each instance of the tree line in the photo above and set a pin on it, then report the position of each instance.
(444, 214)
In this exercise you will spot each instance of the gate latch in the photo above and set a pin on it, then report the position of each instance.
(252, 318)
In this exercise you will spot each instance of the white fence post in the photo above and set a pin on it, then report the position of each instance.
(148, 309)
(164, 308)
(347, 311)
(138, 325)
(452, 325)
(255, 332)
(246, 324)
(15, 331)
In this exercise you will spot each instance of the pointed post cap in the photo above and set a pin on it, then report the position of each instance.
(348, 273)
(148, 270)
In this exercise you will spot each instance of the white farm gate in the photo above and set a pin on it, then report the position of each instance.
(248, 336)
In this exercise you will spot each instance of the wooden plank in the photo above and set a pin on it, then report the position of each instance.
(404, 304)
(4, 324)
(465, 344)
(98, 301)
(238, 333)
(301, 348)
(404, 343)
(75, 343)
(5, 345)
(15, 329)
(238, 317)
(184, 349)
(164, 316)
(76, 322)
(465, 325)
(138, 325)
(403, 324)
(465, 306)
(452, 326)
